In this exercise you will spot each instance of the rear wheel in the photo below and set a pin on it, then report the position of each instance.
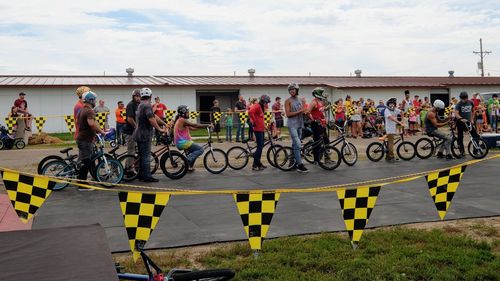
(109, 172)
(349, 154)
(271, 152)
(130, 164)
(455, 149)
(284, 158)
(375, 151)
(237, 157)
(406, 150)
(215, 161)
(174, 165)
(58, 169)
(46, 160)
(154, 163)
(424, 148)
(478, 148)
(204, 275)
(330, 158)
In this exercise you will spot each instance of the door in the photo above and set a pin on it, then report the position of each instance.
(206, 103)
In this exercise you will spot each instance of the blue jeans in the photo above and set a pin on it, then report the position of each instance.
(447, 141)
(229, 133)
(259, 138)
(493, 121)
(240, 130)
(295, 134)
(193, 152)
(145, 158)
(120, 138)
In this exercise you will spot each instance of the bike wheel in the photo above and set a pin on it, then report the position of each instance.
(109, 172)
(237, 157)
(424, 148)
(215, 161)
(205, 275)
(130, 164)
(455, 149)
(20, 144)
(174, 165)
(154, 163)
(349, 154)
(46, 160)
(406, 150)
(478, 148)
(271, 151)
(112, 143)
(375, 151)
(284, 158)
(58, 169)
(330, 158)
(307, 152)
(1, 147)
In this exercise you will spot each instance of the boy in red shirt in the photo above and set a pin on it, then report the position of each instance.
(256, 115)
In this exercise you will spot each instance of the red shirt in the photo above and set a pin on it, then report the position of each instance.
(160, 110)
(22, 104)
(417, 106)
(476, 102)
(277, 107)
(257, 118)
(317, 112)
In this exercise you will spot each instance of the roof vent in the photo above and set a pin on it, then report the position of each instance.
(451, 72)
(251, 72)
(358, 72)
(129, 71)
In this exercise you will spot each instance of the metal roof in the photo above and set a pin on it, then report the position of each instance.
(238, 81)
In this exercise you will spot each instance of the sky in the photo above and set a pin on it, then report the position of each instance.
(218, 37)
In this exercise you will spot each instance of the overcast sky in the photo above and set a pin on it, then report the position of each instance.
(381, 37)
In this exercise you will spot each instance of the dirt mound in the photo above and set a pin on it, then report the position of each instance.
(43, 138)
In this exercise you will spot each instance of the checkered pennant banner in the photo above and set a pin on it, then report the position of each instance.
(141, 212)
(123, 114)
(442, 186)
(243, 117)
(26, 193)
(357, 205)
(268, 117)
(39, 122)
(169, 115)
(448, 111)
(194, 114)
(372, 110)
(350, 111)
(333, 109)
(101, 117)
(256, 211)
(217, 116)
(70, 122)
(11, 123)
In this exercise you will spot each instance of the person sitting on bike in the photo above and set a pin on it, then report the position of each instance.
(431, 128)
(391, 119)
(256, 115)
(464, 110)
(182, 137)
(316, 110)
(87, 129)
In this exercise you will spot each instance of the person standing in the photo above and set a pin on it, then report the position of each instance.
(294, 110)
(120, 123)
(216, 124)
(240, 107)
(130, 125)
(88, 127)
(407, 103)
(101, 108)
(159, 110)
(277, 109)
(145, 120)
(78, 106)
(464, 110)
(493, 108)
(229, 125)
(256, 116)
(391, 119)
(251, 102)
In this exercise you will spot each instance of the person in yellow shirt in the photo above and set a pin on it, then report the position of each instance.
(120, 123)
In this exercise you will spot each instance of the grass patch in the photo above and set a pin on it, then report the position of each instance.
(388, 254)
(63, 136)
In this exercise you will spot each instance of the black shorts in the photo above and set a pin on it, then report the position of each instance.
(217, 127)
(279, 123)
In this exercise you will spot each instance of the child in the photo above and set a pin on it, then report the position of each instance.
(412, 119)
(229, 125)
(480, 116)
(213, 122)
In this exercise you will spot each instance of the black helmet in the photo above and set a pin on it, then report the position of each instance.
(391, 101)
(183, 111)
(264, 99)
(464, 95)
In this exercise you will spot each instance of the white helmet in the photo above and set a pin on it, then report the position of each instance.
(146, 92)
(439, 104)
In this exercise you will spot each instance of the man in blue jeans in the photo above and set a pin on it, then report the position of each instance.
(240, 107)
(294, 109)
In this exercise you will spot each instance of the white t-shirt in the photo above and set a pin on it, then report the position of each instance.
(390, 126)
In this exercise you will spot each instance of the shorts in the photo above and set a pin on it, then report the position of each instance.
(279, 123)
(217, 127)
(480, 121)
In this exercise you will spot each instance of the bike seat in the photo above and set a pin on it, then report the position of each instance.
(112, 151)
(66, 150)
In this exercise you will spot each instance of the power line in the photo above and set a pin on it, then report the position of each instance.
(482, 54)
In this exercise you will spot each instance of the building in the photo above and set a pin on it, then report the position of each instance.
(55, 95)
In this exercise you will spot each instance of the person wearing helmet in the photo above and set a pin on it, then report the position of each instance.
(431, 127)
(315, 112)
(129, 127)
(87, 129)
(79, 105)
(294, 111)
(146, 120)
(391, 119)
(464, 110)
(256, 115)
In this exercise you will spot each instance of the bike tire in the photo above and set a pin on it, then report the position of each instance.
(455, 149)
(46, 160)
(205, 275)
(174, 165)
(349, 154)
(109, 179)
(154, 163)
(112, 144)
(480, 151)
(307, 152)
(58, 169)
(406, 150)
(284, 158)
(20, 144)
(375, 151)
(215, 161)
(330, 158)
(93, 166)
(424, 148)
(270, 153)
(132, 172)
(237, 157)
(1, 146)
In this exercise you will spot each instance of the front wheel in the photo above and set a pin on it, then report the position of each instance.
(478, 148)
(109, 172)
(271, 152)
(207, 275)
(330, 158)
(349, 154)
(424, 148)
(215, 161)
(237, 157)
(58, 169)
(406, 150)
(375, 151)
(284, 158)
(174, 165)
(308, 151)
(20, 144)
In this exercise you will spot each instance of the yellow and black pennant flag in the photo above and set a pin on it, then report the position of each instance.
(10, 122)
(350, 111)
(442, 186)
(243, 117)
(357, 205)
(169, 115)
(141, 212)
(256, 211)
(39, 122)
(193, 114)
(101, 117)
(123, 114)
(26, 193)
(217, 116)
(70, 122)
(448, 111)
(268, 117)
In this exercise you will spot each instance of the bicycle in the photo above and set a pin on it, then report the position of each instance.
(238, 156)
(215, 160)
(108, 171)
(405, 150)
(426, 147)
(477, 147)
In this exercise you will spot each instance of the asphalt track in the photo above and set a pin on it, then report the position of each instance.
(199, 219)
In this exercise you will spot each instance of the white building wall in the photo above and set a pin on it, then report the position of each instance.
(455, 91)
(379, 94)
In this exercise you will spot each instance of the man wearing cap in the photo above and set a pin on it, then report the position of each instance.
(22, 107)
(130, 124)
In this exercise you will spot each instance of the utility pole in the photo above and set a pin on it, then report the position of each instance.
(481, 54)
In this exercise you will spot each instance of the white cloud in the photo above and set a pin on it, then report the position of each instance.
(275, 37)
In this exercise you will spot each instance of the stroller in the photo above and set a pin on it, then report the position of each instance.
(369, 128)
(8, 142)
(110, 137)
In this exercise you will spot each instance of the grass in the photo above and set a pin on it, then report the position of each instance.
(63, 136)
(386, 254)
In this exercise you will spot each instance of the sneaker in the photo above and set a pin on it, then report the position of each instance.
(257, 168)
(263, 166)
(151, 179)
(302, 169)
(440, 155)
(449, 157)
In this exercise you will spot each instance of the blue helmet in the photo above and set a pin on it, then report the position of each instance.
(89, 97)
